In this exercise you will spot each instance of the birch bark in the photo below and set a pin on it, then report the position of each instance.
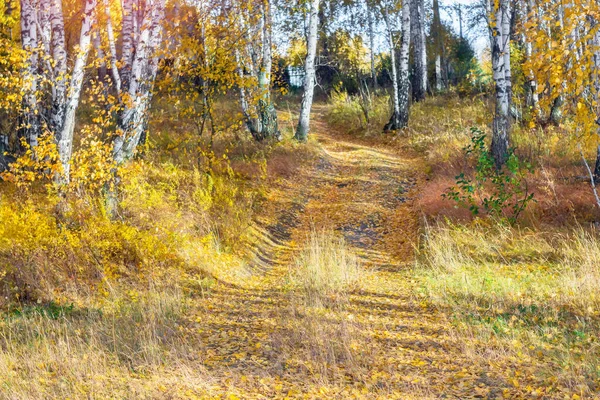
(371, 21)
(502, 78)
(116, 76)
(65, 139)
(261, 119)
(420, 49)
(395, 118)
(303, 128)
(533, 97)
(596, 91)
(438, 45)
(59, 56)
(143, 71)
(403, 78)
(127, 37)
(30, 124)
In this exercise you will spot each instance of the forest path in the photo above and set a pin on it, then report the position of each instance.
(383, 341)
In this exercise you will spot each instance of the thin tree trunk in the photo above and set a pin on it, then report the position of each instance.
(65, 141)
(309, 73)
(266, 125)
(44, 27)
(143, 72)
(420, 49)
(30, 124)
(438, 45)
(394, 122)
(116, 77)
(596, 92)
(59, 57)
(533, 97)
(502, 76)
(372, 48)
(97, 41)
(403, 78)
(128, 40)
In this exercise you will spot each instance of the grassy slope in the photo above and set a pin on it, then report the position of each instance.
(523, 300)
(198, 292)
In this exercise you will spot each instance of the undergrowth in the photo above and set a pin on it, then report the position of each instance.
(319, 337)
(358, 114)
(95, 307)
(530, 292)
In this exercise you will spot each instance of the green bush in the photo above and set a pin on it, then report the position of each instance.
(500, 193)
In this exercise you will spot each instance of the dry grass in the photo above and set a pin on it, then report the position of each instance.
(532, 292)
(97, 308)
(326, 268)
(120, 350)
(320, 337)
(347, 113)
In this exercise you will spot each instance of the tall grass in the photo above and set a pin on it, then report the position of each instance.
(51, 352)
(318, 336)
(365, 114)
(534, 292)
(326, 267)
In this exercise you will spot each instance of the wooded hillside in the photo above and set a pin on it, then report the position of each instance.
(250, 199)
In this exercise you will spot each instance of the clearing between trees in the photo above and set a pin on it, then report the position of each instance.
(335, 297)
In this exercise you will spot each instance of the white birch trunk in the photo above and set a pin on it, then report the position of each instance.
(303, 128)
(438, 72)
(44, 28)
(29, 41)
(438, 45)
(114, 69)
(395, 118)
(403, 76)
(595, 44)
(127, 37)
(533, 87)
(65, 139)
(420, 49)
(59, 56)
(137, 81)
(133, 119)
(502, 79)
(266, 123)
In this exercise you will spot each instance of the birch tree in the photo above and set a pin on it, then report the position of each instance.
(400, 73)
(259, 112)
(64, 135)
(141, 40)
(500, 34)
(141, 33)
(420, 49)
(436, 31)
(30, 124)
(403, 78)
(532, 89)
(59, 58)
(395, 118)
(371, 27)
(43, 31)
(303, 128)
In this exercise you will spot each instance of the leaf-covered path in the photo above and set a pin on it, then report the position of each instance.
(383, 342)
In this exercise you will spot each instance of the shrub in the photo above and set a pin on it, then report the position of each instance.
(501, 193)
(362, 113)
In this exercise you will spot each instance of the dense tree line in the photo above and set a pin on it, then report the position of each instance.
(230, 45)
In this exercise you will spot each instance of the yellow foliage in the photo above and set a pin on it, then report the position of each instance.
(39, 164)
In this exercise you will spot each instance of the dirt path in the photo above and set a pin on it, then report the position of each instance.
(385, 342)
